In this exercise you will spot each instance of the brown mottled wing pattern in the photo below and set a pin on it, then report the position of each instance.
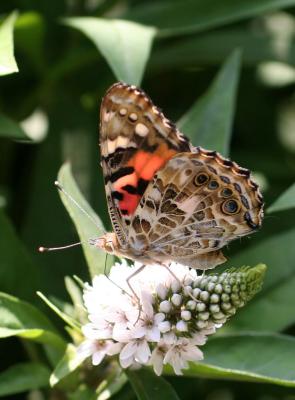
(196, 204)
(135, 141)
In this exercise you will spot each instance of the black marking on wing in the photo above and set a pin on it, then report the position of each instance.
(119, 174)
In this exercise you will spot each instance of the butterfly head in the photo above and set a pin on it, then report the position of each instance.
(107, 242)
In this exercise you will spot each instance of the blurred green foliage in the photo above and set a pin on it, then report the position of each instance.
(225, 70)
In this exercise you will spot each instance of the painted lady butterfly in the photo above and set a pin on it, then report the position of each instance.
(168, 200)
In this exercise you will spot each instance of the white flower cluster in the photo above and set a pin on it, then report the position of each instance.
(164, 331)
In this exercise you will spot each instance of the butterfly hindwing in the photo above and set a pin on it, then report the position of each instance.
(196, 204)
(136, 140)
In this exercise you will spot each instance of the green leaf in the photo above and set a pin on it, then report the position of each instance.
(253, 357)
(111, 385)
(30, 28)
(83, 393)
(285, 201)
(69, 363)
(212, 48)
(209, 121)
(66, 318)
(11, 129)
(76, 295)
(125, 45)
(18, 318)
(271, 309)
(16, 264)
(148, 386)
(22, 377)
(180, 17)
(7, 61)
(87, 227)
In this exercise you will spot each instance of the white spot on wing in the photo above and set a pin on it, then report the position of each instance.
(106, 116)
(182, 178)
(111, 145)
(122, 141)
(133, 117)
(141, 129)
(123, 111)
(188, 205)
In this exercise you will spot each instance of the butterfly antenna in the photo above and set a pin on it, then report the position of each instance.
(63, 190)
(45, 249)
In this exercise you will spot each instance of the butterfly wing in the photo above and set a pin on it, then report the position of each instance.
(197, 203)
(136, 140)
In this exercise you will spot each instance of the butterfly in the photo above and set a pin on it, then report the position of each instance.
(168, 200)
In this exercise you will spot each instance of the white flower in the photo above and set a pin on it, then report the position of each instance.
(138, 332)
(157, 357)
(98, 349)
(162, 324)
(149, 321)
(136, 351)
(180, 353)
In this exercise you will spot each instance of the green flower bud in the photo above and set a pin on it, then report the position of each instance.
(220, 295)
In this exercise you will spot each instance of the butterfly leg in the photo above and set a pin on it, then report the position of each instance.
(133, 291)
(113, 282)
(93, 242)
(180, 283)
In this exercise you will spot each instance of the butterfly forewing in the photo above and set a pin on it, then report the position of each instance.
(136, 140)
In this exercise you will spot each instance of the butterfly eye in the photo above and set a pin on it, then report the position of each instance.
(201, 179)
(212, 185)
(230, 207)
(226, 192)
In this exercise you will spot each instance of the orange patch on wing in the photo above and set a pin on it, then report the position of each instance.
(139, 160)
(145, 166)
(129, 202)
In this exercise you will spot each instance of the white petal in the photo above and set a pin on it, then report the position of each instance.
(193, 354)
(114, 348)
(153, 334)
(98, 321)
(138, 332)
(174, 360)
(146, 301)
(168, 356)
(89, 331)
(156, 361)
(126, 362)
(128, 350)
(85, 349)
(132, 314)
(121, 333)
(143, 352)
(199, 339)
(97, 357)
(169, 338)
